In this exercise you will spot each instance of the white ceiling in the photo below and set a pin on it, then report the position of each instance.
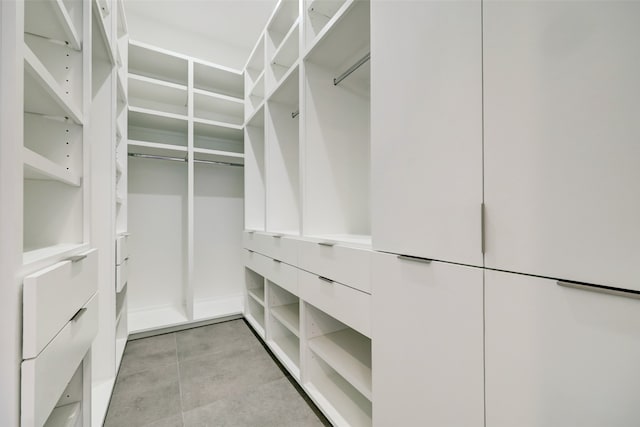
(237, 23)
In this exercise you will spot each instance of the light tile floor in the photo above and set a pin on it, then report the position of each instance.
(217, 375)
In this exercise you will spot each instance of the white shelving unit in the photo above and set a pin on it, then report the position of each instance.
(283, 334)
(185, 133)
(254, 310)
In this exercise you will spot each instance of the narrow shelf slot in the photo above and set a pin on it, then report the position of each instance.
(42, 94)
(349, 354)
(156, 149)
(289, 316)
(51, 19)
(287, 347)
(286, 55)
(255, 315)
(255, 64)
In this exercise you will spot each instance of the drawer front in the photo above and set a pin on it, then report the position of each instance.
(45, 377)
(122, 248)
(122, 275)
(349, 306)
(282, 248)
(558, 356)
(256, 262)
(52, 296)
(343, 264)
(280, 273)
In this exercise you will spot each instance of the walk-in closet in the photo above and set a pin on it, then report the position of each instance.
(319, 212)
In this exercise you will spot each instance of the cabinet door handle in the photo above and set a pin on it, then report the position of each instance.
(327, 243)
(78, 314)
(414, 259)
(76, 258)
(325, 279)
(599, 289)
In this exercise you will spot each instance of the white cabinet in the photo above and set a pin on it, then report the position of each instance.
(561, 101)
(427, 343)
(558, 356)
(426, 129)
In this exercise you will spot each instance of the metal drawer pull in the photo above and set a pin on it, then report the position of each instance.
(599, 289)
(327, 243)
(325, 279)
(277, 260)
(78, 314)
(251, 231)
(76, 258)
(277, 236)
(415, 259)
(125, 234)
(250, 251)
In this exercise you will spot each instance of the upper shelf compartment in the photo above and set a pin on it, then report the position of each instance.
(321, 14)
(149, 61)
(255, 66)
(157, 95)
(284, 18)
(54, 19)
(219, 80)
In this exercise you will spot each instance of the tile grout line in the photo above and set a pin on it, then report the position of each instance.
(175, 337)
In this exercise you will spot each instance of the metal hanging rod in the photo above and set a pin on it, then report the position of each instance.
(295, 114)
(183, 159)
(351, 69)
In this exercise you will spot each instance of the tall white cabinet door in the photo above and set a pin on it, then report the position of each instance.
(426, 129)
(427, 343)
(558, 356)
(562, 150)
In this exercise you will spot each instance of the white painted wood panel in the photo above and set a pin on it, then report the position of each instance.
(275, 246)
(558, 356)
(52, 296)
(428, 343)
(122, 275)
(426, 122)
(562, 100)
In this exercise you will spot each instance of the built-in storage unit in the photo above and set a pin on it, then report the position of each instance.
(185, 145)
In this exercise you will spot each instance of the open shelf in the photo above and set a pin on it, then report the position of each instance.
(42, 93)
(217, 107)
(289, 316)
(149, 61)
(51, 19)
(217, 136)
(39, 167)
(103, 23)
(349, 354)
(66, 415)
(255, 97)
(254, 312)
(158, 95)
(342, 403)
(219, 80)
(254, 293)
(155, 126)
(286, 346)
(42, 254)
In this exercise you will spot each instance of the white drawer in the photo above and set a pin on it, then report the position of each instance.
(52, 296)
(274, 246)
(122, 274)
(280, 273)
(122, 248)
(349, 306)
(351, 266)
(46, 377)
(558, 356)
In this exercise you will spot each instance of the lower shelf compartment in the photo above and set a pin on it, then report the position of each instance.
(65, 416)
(339, 400)
(161, 317)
